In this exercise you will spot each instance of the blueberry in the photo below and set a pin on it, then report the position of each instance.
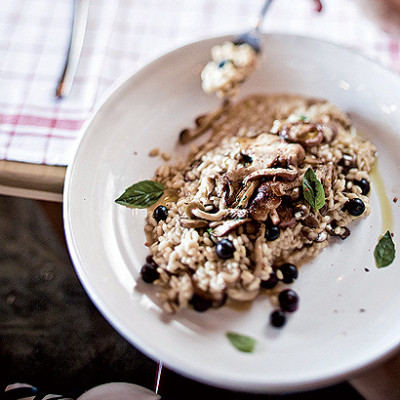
(355, 207)
(160, 213)
(222, 63)
(364, 186)
(271, 282)
(149, 272)
(225, 249)
(288, 300)
(277, 318)
(272, 232)
(149, 259)
(199, 303)
(289, 273)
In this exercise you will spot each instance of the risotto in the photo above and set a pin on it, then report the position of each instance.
(277, 179)
(230, 66)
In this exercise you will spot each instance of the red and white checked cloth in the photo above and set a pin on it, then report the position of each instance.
(121, 34)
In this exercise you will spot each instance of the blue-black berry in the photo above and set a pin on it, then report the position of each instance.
(225, 249)
(288, 300)
(289, 273)
(271, 282)
(277, 318)
(160, 213)
(364, 186)
(355, 207)
(149, 272)
(272, 232)
(199, 303)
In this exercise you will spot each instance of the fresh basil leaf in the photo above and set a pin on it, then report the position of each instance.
(385, 251)
(313, 191)
(304, 118)
(141, 194)
(241, 342)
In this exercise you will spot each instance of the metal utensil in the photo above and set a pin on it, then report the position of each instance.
(252, 37)
(79, 22)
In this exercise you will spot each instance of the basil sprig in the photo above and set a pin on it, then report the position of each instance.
(241, 342)
(385, 251)
(141, 194)
(313, 191)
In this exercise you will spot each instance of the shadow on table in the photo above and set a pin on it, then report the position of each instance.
(52, 336)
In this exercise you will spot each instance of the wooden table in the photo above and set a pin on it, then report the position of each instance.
(45, 184)
(34, 181)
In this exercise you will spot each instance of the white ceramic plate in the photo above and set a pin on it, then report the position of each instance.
(348, 317)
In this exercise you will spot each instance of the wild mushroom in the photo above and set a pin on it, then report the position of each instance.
(330, 131)
(274, 216)
(286, 218)
(193, 223)
(341, 231)
(193, 205)
(311, 221)
(238, 213)
(307, 134)
(243, 197)
(301, 211)
(322, 236)
(218, 216)
(228, 226)
(263, 201)
(287, 174)
(203, 124)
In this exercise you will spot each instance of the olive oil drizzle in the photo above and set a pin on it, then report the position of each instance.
(384, 201)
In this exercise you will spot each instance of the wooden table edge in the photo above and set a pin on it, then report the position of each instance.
(34, 181)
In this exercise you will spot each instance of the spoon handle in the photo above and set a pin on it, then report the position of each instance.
(262, 14)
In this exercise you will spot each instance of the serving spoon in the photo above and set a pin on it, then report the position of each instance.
(253, 37)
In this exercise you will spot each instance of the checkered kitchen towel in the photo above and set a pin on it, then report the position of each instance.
(121, 36)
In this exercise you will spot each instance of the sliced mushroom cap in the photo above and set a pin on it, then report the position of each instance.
(193, 205)
(237, 213)
(228, 226)
(193, 223)
(282, 173)
(274, 216)
(321, 237)
(286, 218)
(311, 221)
(243, 197)
(330, 131)
(263, 202)
(342, 232)
(218, 216)
(301, 211)
(307, 134)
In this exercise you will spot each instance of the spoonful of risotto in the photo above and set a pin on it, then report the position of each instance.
(232, 62)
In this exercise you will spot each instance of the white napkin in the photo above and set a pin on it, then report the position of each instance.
(121, 36)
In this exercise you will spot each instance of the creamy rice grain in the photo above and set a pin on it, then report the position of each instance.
(246, 178)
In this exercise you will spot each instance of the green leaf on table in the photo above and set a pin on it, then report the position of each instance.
(141, 194)
(385, 251)
(313, 191)
(241, 342)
